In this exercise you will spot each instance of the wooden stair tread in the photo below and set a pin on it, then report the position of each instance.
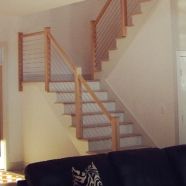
(132, 147)
(105, 124)
(72, 81)
(100, 113)
(33, 81)
(99, 138)
(84, 91)
(86, 102)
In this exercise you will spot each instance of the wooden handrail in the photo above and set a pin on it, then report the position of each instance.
(93, 95)
(102, 11)
(33, 34)
(79, 82)
(63, 54)
(113, 120)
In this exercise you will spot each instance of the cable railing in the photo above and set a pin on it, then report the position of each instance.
(31, 53)
(110, 24)
(58, 67)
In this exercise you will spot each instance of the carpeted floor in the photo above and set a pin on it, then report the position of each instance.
(9, 178)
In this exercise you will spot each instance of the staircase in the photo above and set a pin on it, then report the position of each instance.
(96, 127)
(97, 118)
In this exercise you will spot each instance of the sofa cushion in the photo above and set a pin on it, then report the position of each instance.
(143, 167)
(177, 158)
(88, 177)
(59, 172)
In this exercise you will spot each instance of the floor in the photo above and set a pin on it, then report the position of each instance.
(9, 178)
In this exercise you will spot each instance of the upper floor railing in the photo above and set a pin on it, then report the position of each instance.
(111, 23)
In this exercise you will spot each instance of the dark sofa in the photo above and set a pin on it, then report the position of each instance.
(142, 167)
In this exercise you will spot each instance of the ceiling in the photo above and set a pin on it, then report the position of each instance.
(24, 7)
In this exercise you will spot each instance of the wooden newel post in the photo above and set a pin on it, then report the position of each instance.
(123, 5)
(78, 104)
(93, 66)
(20, 60)
(115, 134)
(47, 52)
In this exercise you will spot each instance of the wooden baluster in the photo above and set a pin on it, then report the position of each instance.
(78, 104)
(20, 60)
(94, 61)
(115, 134)
(123, 5)
(47, 59)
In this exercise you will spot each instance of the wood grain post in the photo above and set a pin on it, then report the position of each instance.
(123, 6)
(1, 102)
(20, 61)
(78, 104)
(94, 61)
(47, 52)
(115, 134)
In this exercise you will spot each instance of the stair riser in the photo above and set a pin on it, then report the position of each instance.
(89, 107)
(94, 119)
(105, 131)
(70, 86)
(70, 97)
(134, 8)
(99, 145)
(107, 144)
(127, 142)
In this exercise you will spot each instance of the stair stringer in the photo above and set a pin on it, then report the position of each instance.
(123, 43)
(66, 120)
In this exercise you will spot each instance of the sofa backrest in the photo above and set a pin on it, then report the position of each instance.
(59, 172)
(177, 158)
(143, 167)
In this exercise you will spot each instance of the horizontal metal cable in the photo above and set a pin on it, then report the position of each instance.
(60, 71)
(107, 29)
(33, 58)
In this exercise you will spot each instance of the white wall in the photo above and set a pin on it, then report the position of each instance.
(12, 100)
(45, 135)
(143, 76)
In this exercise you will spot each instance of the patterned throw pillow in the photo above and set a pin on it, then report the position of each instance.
(88, 177)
